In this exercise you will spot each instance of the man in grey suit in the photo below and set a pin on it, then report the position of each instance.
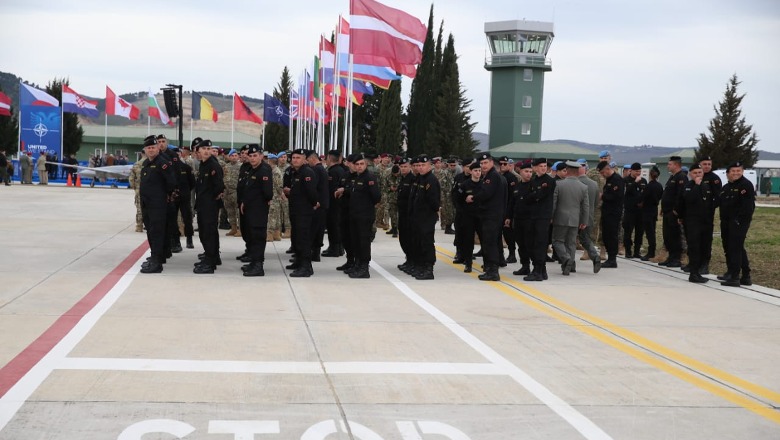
(586, 239)
(570, 215)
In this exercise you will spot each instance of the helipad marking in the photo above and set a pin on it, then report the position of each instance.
(578, 421)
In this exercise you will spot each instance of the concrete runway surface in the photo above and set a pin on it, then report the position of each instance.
(91, 349)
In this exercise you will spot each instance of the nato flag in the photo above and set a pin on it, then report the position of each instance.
(274, 111)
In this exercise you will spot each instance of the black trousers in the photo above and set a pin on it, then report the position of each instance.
(490, 239)
(536, 237)
(733, 234)
(346, 239)
(509, 237)
(672, 238)
(332, 222)
(648, 228)
(694, 234)
(318, 228)
(185, 208)
(610, 228)
(171, 224)
(706, 244)
(465, 228)
(301, 234)
(361, 230)
(521, 228)
(405, 233)
(424, 240)
(208, 215)
(256, 243)
(632, 227)
(154, 222)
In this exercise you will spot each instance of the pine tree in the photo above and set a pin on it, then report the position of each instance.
(365, 120)
(73, 133)
(730, 138)
(277, 135)
(388, 136)
(421, 100)
(9, 132)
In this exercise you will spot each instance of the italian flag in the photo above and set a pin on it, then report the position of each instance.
(156, 112)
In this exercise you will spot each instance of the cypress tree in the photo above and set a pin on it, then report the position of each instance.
(421, 100)
(366, 119)
(731, 138)
(388, 136)
(73, 133)
(277, 135)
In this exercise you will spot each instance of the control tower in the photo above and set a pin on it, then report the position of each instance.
(517, 62)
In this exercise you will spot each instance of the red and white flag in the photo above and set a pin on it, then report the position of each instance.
(156, 112)
(5, 104)
(117, 106)
(392, 37)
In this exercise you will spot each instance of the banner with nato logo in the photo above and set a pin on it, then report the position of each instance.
(40, 122)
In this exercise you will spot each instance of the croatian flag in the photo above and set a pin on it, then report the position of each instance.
(32, 96)
(117, 106)
(72, 102)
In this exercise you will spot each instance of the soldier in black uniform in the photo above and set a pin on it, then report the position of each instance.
(172, 242)
(243, 174)
(157, 184)
(304, 201)
(404, 190)
(737, 203)
(671, 229)
(254, 194)
(611, 209)
(342, 194)
(491, 198)
(185, 179)
(693, 209)
(520, 214)
(466, 214)
(539, 201)
(209, 190)
(651, 196)
(632, 215)
(321, 213)
(424, 213)
(713, 180)
(505, 168)
(363, 198)
(336, 172)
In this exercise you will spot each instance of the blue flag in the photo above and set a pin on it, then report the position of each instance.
(274, 111)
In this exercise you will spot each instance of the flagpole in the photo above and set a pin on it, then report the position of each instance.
(263, 145)
(349, 98)
(62, 127)
(233, 120)
(191, 122)
(105, 135)
(19, 125)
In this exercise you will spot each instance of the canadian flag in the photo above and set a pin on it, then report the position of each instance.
(117, 106)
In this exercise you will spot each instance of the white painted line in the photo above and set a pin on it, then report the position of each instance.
(578, 421)
(19, 393)
(210, 366)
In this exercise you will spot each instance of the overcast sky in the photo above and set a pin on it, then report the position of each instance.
(624, 72)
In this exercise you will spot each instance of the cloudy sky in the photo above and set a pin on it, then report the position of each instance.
(624, 72)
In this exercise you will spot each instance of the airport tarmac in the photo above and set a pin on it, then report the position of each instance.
(92, 349)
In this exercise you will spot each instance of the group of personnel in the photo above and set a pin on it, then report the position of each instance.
(526, 206)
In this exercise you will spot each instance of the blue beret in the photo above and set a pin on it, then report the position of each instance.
(603, 154)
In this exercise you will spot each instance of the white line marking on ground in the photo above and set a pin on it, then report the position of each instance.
(578, 421)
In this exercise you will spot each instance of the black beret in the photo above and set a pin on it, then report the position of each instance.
(484, 156)
(539, 161)
(403, 160)
(354, 157)
(195, 142)
(602, 165)
(161, 136)
(703, 158)
(244, 147)
(736, 164)
(503, 159)
(149, 141)
(334, 153)
(636, 166)
(253, 148)
(474, 165)
(559, 166)
(312, 153)
(525, 164)
(423, 158)
(300, 151)
(452, 160)
(205, 143)
(675, 159)
(695, 166)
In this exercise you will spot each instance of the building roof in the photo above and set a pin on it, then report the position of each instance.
(134, 135)
(767, 164)
(686, 154)
(551, 151)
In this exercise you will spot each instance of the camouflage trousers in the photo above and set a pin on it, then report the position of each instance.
(139, 217)
(391, 213)
(284, 218)
(447, 214)
(231, 207)
(275, 215)
(380, 214)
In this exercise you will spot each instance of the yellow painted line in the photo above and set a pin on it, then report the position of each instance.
(714, 388)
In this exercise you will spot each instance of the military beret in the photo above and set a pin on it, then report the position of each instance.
(582, 162)
(703, 158)
(271, 156)
(484, 156)
(232, 152)
(161, 136)
(613, 164)
(254, 148)
(149, 141)
(452, 160)
(539, 161)
(403, 160)
(503, 159)
(281, 153)
(300, 151)
(195, 142)
(355, 157)
(636, 166)
(205, 143)
(423, 158)
(560, 166)
(312, 153)
(684, 169)
(603, 165)
(525, 164)
(675, 159)
(384, 155)
(627, 166)
(604, 153)
(334, 153)
(244, 147)
(736, 164)
(474, 166)
(695, 166)
(556, 164)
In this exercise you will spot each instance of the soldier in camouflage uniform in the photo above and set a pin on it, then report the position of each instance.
(231, 169)
(447, 182)
(284, 205)
(275, 211)
(135, 183)
(392, 179)
(594, 174)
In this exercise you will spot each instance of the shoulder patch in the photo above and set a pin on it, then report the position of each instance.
(370, 183)
(265, 178)
(165, 165)
(213, 172)
(544, 185)
(308, 179)
(743, 191)
(487, 181)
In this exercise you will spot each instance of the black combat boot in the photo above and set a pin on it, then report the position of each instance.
(152, 266)
(176, 245)
(449, 231)
(315, 254)
(511, 259)
(255, 269)
(348, 265)
(525, 269)
(490, 274)
(189, 243)
(425, 273)
(360, 271)
(304, 271)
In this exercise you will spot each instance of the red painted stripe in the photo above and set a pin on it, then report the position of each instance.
(19, 366)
